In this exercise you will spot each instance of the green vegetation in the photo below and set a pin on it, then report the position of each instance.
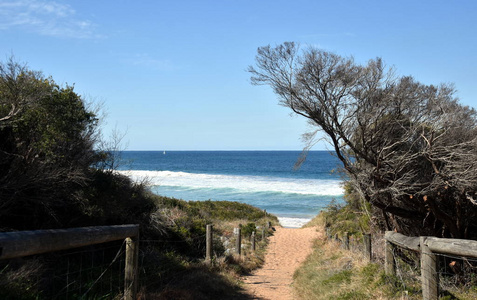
(54, 174)
(331, 272)
(351, 216)
(172, 251)
(405, 146)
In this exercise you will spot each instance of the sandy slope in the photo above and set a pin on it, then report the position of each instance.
(288, 248)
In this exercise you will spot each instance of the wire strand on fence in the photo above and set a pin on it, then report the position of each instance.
(86, 271)
(118, 254)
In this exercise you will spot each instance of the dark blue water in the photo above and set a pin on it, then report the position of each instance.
(266, 179)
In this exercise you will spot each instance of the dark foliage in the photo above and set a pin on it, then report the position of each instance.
(407, 148)
(47, 136)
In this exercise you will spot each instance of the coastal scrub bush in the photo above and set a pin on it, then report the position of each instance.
(351, 216)
(229, 210)
(48, 135)
(408, 148)
(248, 229)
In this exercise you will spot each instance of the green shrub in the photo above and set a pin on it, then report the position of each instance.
(351, 216)
(248, 229)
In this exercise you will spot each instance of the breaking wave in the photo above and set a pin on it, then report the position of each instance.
(240, 183)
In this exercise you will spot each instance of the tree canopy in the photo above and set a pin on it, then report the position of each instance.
(47, 139)
(408, 148)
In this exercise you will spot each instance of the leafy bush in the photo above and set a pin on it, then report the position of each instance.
(48, 136)
(248, 229)
(351, 217)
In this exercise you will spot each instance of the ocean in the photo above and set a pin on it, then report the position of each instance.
(265, 179)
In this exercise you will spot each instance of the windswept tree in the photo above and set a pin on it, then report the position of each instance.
(408, 148)
(47, 136)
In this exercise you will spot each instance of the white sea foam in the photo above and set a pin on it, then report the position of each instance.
(293, 222)
(253, 184)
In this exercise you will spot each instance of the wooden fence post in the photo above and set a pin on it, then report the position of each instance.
(389, 263)
(429, 276)
(367, 246)
(209, 245)
(131, 272)
(253, 241)
(238, 242)
(346, 240)
(263, 234)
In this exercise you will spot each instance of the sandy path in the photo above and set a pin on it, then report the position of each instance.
(288, 248)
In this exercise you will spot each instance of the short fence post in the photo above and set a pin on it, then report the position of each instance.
(208, 251)
(389, 263)
(130, 272)
(263, 234)
(367, 246)
(253, 241)
(346, 240)
(238, 242)
(429, 276)
(269, 224)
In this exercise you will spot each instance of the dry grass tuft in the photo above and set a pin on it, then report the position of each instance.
(331, 272)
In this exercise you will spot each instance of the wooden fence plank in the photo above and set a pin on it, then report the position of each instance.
(452, 246)
(410, 243)
(24, 243)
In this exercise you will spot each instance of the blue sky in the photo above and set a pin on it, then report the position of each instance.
(172, 74)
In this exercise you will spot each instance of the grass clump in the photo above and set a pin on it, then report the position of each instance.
(331, 272)
(334, 273)
(342, 277)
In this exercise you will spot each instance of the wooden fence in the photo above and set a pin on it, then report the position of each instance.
(238, 240)
(427, 247)
(24, 243)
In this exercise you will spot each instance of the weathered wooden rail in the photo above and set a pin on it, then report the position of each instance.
(428, 247)
(24, 243)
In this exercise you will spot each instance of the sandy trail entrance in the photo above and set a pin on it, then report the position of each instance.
(287, 250)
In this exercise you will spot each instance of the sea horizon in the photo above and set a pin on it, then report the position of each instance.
(263, 178)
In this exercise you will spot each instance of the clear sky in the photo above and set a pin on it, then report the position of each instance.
(172, 74)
